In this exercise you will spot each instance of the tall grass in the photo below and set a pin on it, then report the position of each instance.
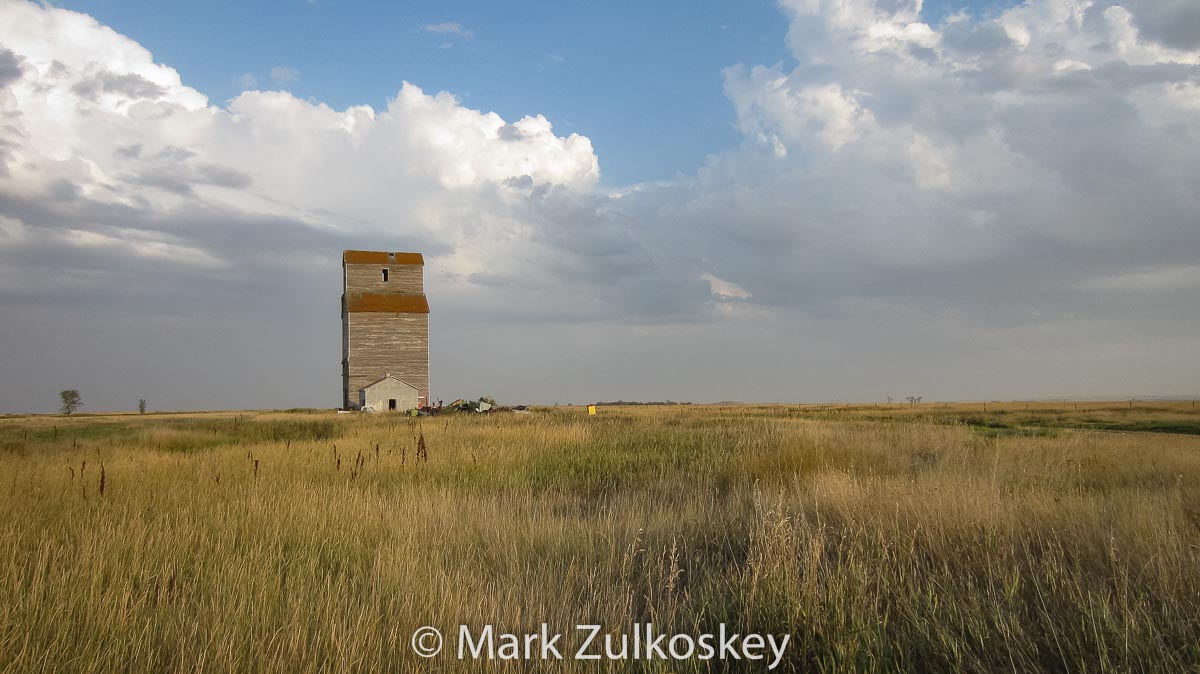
(908, 543)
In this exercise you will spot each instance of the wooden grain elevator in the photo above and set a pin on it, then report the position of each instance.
(385, 322)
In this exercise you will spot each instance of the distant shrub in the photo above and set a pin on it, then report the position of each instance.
(70, 401)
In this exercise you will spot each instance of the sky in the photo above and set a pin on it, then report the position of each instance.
(808, 201)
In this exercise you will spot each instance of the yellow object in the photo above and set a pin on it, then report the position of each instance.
(591, 409)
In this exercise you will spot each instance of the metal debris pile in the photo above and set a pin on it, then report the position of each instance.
(484, 405)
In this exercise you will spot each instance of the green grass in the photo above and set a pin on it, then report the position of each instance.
(904, 538)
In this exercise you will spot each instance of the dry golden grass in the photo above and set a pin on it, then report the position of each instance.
(896, 538)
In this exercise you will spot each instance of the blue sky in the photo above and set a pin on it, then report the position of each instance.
(642, 80)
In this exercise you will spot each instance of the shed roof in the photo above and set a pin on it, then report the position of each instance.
(387, 302)
(386, 377)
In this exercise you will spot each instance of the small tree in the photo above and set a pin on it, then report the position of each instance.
(70, 401)
(141, 405)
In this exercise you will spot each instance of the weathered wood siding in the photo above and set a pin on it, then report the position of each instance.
(402, 278)
(347, 398)
(385, 343)
(381, 337)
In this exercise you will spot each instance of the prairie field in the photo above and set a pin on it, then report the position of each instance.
(1015, 537)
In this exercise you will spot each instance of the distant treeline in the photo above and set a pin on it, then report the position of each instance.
(634, 402)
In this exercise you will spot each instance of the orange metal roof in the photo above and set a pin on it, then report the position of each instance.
(386, 302)
(380, 257)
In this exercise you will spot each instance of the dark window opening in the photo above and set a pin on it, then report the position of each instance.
(391, 403)
(383, 273)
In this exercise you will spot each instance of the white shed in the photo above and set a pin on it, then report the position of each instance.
(388, 394)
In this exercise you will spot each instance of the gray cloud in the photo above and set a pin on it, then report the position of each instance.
(128, 85)
(222, 176)
(510, 132)
(1175, 23)
(10, 67)
(131, 151)
(976, 39)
